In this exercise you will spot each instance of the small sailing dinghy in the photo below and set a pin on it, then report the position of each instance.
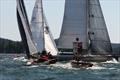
(36, 36)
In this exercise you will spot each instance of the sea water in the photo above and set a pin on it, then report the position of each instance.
(12, 68)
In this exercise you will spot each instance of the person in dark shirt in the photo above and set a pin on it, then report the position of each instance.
(43, 57)
(50, 56)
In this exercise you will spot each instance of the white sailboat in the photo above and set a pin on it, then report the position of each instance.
(42, 36)
(36, 36)
(84, 19)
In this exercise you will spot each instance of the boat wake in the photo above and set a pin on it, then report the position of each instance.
(67, 65)
(112, 61)
(63, 65)
(96, 67)
(33, 66)
(20, 59)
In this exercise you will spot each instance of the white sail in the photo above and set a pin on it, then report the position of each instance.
(24, 27)
(50, 45)
(40, 30)
(37, 26)
(74, 24)
(100, 42)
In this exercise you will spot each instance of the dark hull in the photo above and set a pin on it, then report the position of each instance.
(78, 64)
(51, 61)
(87, 58)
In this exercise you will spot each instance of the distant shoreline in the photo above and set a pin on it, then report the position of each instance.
(12, 53)
(16, 47)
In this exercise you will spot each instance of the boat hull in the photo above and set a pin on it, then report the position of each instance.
(51, 61)
(81, 64)
(87, 58)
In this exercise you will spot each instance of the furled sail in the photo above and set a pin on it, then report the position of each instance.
(74, 24)
(40, 30)
(99, 38)
(24, 28)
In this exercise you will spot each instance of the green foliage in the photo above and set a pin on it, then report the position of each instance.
(8, 46)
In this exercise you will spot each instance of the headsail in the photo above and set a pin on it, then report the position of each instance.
(100, 42)
(24, 28)
(40, 30)
(74, 24)
(50, 45)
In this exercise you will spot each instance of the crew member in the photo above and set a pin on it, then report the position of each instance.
(43, 57)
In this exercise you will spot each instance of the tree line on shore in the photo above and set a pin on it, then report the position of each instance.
(9, 46)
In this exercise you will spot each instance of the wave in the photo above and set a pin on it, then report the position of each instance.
(112, 61)
(20, 59)
(33, 66)
(96, 67)
(66, 65)
(1, 60)
(69, 66)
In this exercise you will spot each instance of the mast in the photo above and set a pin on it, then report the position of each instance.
(43, 25)
(24, 28)
(98, 34)
(88, 25)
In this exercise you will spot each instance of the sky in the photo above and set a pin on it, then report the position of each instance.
(54, 11)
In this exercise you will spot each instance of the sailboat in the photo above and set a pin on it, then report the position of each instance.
(42, 36)
(35, 36)
(84, 19)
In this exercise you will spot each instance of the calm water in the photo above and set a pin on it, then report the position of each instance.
(16, 70)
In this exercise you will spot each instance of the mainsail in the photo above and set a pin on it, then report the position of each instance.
(37, 26)
(24, 28)
(40, 30)
(99, 38)
(74, 24)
